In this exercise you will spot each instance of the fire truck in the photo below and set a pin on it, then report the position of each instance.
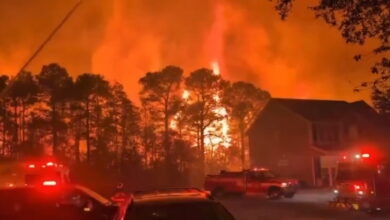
(257, 181)
(362, 182)
(35, 172)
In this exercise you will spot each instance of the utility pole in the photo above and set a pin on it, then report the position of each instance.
(41, 47)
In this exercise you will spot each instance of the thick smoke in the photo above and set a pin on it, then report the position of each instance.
(122, 39)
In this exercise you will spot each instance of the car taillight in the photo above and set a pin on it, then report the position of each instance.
(49, 183)
(31, 166)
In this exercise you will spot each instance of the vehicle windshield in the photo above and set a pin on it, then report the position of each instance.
(178, 211)
(354, 171)
(263, 174)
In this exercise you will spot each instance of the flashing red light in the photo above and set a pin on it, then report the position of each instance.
(365, 155)
(357, 156)
(31, 166)
(357, 187)
(50, 164)
(344, 157)
(49, 183)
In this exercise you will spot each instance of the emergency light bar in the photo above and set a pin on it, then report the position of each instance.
(49, 164)
(357, 156)
(49, 183)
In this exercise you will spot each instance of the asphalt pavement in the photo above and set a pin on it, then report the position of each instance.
(306, 205)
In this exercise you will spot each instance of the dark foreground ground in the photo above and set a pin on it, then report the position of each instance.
(306, 205)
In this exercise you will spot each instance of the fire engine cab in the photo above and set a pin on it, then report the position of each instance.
(44, 172)
(362, 182)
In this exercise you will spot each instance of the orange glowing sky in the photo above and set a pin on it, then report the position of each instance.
(123, 39)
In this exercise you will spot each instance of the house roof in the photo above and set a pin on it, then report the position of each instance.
(317, 110)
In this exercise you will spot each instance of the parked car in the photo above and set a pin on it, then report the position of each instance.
(55, 202)
(174, 204)
(251, 182)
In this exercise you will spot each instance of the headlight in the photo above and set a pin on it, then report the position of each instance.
(284, 184)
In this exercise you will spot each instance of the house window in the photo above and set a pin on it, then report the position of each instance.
(325, 133)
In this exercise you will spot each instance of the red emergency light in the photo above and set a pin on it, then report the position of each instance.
(366, 155)
(31, 166)
(49, 183)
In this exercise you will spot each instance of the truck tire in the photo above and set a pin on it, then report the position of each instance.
(274, 193)
(218, 192)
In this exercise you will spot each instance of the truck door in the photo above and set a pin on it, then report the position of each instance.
(255, 183)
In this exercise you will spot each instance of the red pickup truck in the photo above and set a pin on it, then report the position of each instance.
(251, 182)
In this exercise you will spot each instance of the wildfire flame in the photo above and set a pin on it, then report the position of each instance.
(215, 68)
(218, 133)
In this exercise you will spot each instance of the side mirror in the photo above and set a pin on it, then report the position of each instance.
(120, 197)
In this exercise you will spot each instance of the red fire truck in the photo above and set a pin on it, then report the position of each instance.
(258, 181)
(32, 173)
(363, 182)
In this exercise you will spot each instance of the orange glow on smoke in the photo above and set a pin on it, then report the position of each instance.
(123, 40)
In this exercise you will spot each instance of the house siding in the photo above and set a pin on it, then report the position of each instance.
(280, 140)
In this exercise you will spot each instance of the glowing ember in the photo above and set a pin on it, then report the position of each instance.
(186, 94)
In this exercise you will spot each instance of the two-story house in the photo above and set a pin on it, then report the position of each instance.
(302, 138)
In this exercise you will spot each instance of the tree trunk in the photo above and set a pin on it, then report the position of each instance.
(23, 122)
(166, 139)
(16, 129)
(242, 143)
(88, 131)
(54, 129)
(77, 147)
(4, 133)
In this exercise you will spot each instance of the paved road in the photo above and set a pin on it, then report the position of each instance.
(306, 205)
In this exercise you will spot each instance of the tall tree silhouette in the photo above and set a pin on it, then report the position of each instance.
(55, 84)
(23, 93)
(160, 91)
(91, 89)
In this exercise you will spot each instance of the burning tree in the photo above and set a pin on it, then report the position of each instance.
(161, 95)
(203, 87)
